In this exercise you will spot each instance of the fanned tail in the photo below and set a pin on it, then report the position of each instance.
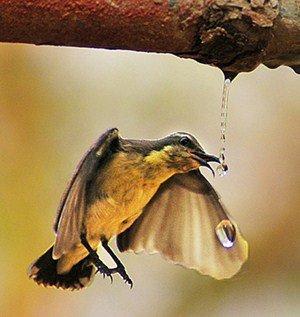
(43, 271)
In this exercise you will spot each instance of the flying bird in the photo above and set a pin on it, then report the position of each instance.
(151, 195)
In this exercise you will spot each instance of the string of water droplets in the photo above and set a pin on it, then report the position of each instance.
(223, 167)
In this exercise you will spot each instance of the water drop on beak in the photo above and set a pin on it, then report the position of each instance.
(226, 233)
(222, 169)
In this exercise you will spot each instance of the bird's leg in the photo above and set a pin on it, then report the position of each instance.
(120, 267)
(101, 267)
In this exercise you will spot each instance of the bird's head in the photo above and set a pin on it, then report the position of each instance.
(180, 151)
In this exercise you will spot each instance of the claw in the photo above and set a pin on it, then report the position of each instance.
(125, 276)
(105, 271)
(130, 283)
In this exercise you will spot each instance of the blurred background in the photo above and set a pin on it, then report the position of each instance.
(54, 102)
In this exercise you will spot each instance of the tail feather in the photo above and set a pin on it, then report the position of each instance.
(43, 271)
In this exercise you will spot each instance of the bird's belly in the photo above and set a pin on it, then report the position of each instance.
(107, 218)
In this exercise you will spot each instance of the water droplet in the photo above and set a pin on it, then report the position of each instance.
(226, 233)
(222, 170)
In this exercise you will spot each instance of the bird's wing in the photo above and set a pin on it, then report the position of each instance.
(187, 224)
(74, 201)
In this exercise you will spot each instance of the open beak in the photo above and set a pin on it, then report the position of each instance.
(204, 158)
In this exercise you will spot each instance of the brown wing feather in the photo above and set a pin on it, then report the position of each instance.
(179, 223)
(73, 204)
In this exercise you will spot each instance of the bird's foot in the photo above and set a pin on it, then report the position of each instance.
(101, 267)
(106, 271)
(121, 270)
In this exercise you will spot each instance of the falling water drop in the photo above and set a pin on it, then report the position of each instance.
(223, 167)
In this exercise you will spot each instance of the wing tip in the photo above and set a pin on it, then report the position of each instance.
(242, 259)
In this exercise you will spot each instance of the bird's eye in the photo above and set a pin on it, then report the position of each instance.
(185, 141)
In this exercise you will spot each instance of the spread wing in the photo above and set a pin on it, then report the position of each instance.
(187, 224)
(73, 204)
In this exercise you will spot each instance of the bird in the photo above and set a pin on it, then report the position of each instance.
(151, 196)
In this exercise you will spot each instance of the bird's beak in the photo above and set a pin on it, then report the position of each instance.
(204, 158)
